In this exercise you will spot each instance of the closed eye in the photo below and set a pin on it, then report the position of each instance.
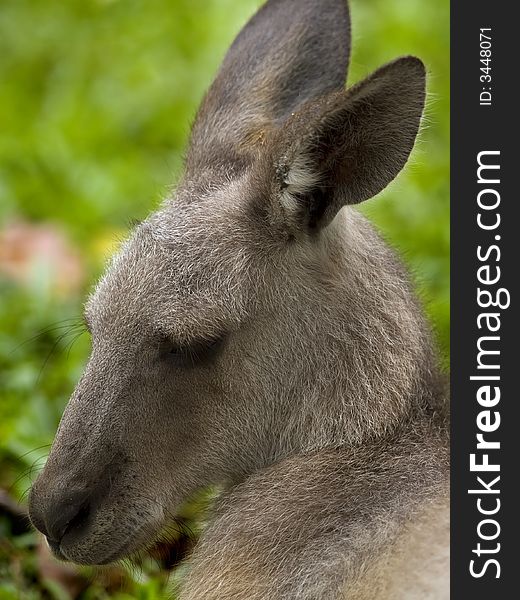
(198, 353)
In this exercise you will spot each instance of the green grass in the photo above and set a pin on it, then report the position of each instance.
(95, 104)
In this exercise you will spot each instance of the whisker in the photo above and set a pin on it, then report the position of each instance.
(68, 348)
(49, 355)
(31, 451)
(26, 473)
(50, 329)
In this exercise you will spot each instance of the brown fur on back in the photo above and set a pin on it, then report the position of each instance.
(353, 523)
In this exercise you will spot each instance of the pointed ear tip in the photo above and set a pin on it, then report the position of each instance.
(413, 64)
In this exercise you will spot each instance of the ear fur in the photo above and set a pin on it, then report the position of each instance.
(347, 146)
(290, 52)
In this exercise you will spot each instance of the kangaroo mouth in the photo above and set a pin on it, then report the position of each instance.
(55, 549)
(103, 539)
(85, 552)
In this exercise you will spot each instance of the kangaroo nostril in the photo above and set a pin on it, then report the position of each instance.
(80, 519)
(65, 515)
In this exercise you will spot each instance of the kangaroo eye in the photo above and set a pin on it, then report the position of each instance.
(196, 353)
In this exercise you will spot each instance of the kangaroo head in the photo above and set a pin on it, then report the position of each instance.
(245, 319)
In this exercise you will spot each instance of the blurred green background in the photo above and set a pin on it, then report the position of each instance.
(96, 97)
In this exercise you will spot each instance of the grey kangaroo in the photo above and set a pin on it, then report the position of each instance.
(256, 333)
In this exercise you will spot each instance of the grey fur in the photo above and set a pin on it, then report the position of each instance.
(321, 409)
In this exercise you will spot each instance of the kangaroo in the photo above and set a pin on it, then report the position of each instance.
(255, 332)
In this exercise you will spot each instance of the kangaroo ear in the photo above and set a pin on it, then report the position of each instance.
(290, 52)
(347, 146)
